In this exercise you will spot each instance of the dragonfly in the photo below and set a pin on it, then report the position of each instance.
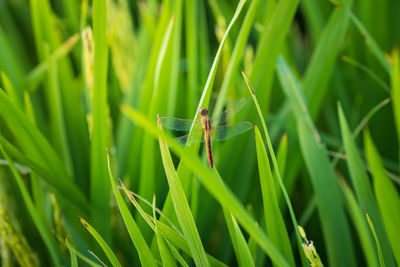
(204, 129)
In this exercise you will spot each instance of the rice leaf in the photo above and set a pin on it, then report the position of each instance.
(145, 256)
(386, 195)
(106, 248)
(395, 84)
(378, 246)
(74, 260)
(332, 217)
(182, 209)
(362, 186)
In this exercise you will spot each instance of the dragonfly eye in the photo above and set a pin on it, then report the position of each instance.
(203, 112)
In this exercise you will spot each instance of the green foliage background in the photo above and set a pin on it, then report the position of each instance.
(87, 176)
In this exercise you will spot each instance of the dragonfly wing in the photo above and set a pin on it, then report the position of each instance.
(228, 131)
(230, 111)
(195, 137)
(176, 124)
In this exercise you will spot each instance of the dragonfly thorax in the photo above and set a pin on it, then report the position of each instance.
(203, 112)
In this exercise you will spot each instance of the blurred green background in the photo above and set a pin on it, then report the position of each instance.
(81, 80)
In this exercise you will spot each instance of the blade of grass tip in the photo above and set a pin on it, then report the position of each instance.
(107, 250)
(166, 257)
(275, 224)
(281, 159)
(371, 43)
(41, 226)
(276, 167)
(182, 209)
(361, 184)
(332, 216)
(218, 190)
(378, 246)
(395, 84)
(386, 194)
(360, 225)
(99, 184)
(74, 260)
(11, 91)
(145, 256)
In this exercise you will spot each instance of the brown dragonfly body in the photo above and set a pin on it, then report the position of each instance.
(206, 124)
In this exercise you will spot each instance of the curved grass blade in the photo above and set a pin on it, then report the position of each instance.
(223, 195)
(106, 248)
(395, 84)
(243, 252)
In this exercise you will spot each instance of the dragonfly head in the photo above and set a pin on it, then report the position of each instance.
(203, 112)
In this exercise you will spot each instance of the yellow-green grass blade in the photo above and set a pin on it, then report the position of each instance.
(310, 250)
(36, 148)
(395, 84)
(11, 90)
(332, 216)
(178, 256)
(103, 244)
(378, 245)
(276, 167)
(182, 209)
(41, 225)
(145, 256)
(386, 194)
(74, 260)
(275, 224)
(222, 194)
(99, 182)
(81, 256)
(360, 224)
(362, 186)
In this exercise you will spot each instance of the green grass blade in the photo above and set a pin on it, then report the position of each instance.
(275, 224)
(74, 260)
(145, 256)
(386, 194)
(223, 195)
(99, 184)
(361, 184)
(106, 248)
(244, 256)
(378, 246)
(182, 209)
(332, 217)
